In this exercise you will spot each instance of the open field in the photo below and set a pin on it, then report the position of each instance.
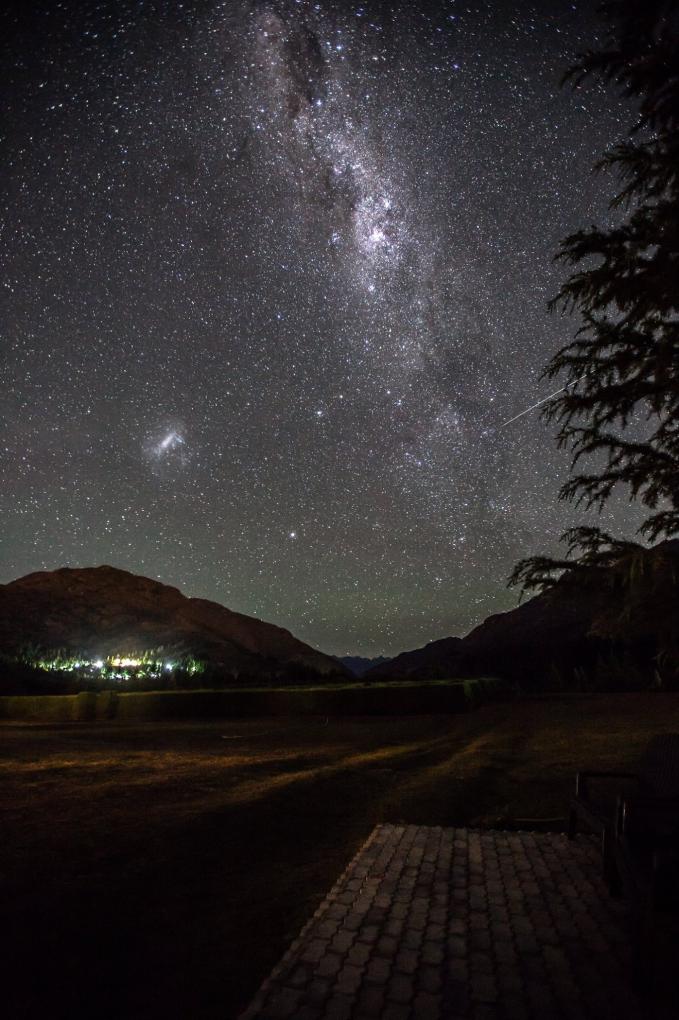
(431, 697)
(159, 870)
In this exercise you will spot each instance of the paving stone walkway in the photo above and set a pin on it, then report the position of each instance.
(429, 923)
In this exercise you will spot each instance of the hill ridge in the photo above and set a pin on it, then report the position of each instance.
(104, 610)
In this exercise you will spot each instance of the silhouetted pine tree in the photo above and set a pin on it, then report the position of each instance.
(622, 367)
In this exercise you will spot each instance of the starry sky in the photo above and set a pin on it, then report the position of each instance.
(274, 277)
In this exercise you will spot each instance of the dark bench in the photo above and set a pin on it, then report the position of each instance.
(640, 840)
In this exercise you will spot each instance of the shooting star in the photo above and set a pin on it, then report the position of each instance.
(540, 402)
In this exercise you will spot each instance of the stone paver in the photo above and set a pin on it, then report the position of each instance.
(459, 924)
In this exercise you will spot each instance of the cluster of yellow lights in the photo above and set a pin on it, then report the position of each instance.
(121, 666)
(112, 662)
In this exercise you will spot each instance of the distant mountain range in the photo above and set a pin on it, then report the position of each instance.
(614, 625)
(98, 612)
(358, 665)
(618, 622)
(435, 660)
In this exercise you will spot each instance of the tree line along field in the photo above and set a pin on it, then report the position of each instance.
(160, 869)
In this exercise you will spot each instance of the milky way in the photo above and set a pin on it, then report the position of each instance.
(275, 275)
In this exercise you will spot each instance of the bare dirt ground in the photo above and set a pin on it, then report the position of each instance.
(160, 870)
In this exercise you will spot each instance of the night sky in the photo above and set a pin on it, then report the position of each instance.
(274, 276)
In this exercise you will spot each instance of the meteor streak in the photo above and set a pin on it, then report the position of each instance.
(540, 402)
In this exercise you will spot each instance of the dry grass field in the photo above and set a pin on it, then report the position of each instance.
(160, 870)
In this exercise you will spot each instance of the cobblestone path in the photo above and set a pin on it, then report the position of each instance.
(430, 923)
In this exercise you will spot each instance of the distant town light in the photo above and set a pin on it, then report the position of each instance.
(120, 667)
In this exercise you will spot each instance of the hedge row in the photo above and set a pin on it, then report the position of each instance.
(60, 707)
(406, 699)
